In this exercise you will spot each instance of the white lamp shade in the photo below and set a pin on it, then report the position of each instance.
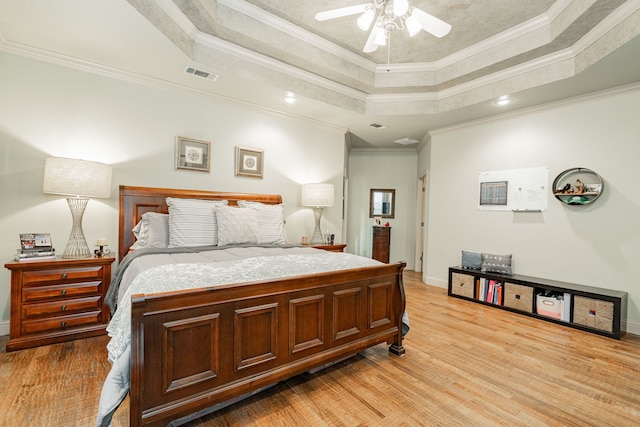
(317, 195)
(75, 177)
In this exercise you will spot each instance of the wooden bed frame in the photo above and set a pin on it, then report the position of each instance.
(198, 350)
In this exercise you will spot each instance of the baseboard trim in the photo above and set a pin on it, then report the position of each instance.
(4, 327)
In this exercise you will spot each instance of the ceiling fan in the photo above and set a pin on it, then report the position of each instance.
(388, 15)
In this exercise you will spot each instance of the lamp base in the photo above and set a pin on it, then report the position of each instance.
(316, 237)
(77, 245)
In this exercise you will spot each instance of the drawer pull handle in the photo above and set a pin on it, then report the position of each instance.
(64, 275)
(63, 292)
(63, 308)
(63, 325)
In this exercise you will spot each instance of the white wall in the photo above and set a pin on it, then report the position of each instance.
(387, 170)
(48, 110)
(596, 244)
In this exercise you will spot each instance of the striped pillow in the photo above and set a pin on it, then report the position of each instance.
(270, 221)
(192, 222)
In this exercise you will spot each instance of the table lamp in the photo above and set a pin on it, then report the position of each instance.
(317, 196)
(81, 180)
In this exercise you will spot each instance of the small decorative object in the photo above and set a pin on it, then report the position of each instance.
(249, 162)
(193, 154)
(305, 240)
(378, 220)
(101, 251)
(579, 187)
(387, 224)
(566, 189)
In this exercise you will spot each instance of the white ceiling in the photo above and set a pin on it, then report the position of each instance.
(536, 51)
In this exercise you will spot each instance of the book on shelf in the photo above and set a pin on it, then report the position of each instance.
(35, 254)
(35, 258)
(565, 307)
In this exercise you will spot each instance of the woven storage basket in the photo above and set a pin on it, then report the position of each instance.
(518, 297)
(462, 284)
(594, 313)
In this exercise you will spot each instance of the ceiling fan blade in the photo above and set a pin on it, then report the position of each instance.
(343, 11)
(371, 45)
(430, 23)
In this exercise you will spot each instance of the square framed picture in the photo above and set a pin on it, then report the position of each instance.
(249, 162)
(193, 154)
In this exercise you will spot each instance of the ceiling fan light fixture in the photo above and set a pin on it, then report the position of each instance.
(365, 20)
(400, 7)
(380, 37)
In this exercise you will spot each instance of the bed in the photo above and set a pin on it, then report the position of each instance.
(197, 349)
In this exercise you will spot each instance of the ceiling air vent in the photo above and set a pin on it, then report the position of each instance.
(201, 73)
(377, 125)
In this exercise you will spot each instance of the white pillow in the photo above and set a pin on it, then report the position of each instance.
(270, 221)
(152, 231)
(157, 225)
(192, 222)
(237, 225)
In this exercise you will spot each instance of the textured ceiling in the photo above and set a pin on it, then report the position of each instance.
(536, 51)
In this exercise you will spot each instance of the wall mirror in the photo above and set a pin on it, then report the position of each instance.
(382, 203)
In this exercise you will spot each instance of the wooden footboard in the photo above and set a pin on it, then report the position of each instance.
(196, 349)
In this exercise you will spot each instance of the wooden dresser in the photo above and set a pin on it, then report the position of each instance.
(57, 300)
(381, 243)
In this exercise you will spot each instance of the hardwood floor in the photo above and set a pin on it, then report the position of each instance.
(465, 365)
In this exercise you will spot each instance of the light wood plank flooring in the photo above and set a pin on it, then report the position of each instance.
(466, 365)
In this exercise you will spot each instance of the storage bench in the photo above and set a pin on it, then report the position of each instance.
(597, 310)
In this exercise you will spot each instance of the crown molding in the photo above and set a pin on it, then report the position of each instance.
(541, 107)
(130, 77)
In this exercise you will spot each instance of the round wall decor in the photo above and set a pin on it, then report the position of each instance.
(577, 186)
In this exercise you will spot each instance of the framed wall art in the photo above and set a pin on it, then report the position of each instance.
(249, 162)
(193, 154)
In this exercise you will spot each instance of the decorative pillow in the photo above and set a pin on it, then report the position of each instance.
(471, 260)
(496, 263)
(192, 222)
(270, 221)
(152, 231)
(237, 225)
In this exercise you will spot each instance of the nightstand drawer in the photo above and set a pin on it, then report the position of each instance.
(31, 294)
(61, 275)
(63, 307)
(62, 323)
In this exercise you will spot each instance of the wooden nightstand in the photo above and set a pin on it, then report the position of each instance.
(57, 300)
(330, 248)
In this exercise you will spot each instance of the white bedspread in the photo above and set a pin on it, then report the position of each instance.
(162, 278)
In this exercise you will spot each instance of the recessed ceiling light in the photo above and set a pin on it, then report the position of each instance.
(290, 98)
(504, 100)
(406, 141)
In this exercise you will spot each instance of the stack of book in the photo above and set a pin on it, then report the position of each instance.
(35, 247)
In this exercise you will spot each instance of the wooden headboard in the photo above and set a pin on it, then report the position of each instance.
(135, 201)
